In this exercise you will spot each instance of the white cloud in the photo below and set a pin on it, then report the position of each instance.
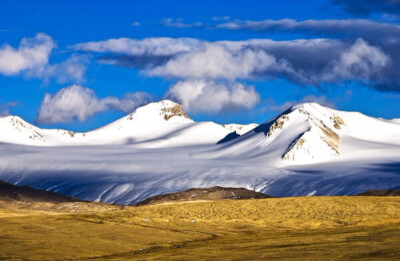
(72, 69)
(312, 61)
(360, 62)
(79, 103)
(211, 97)
(304, 61)
(135, 24)
(215, 61)
(31, 59)
(159, 46)
(32, 54)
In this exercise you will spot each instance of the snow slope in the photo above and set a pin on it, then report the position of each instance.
(15, 130)
(240, 129)
(310, 133)
(306, 150)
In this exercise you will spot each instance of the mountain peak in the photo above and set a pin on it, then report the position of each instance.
(311, 107)
(11, 117)
(171, 109)
(165, 108)
(166, 103)
(16, 129)
(316, 131)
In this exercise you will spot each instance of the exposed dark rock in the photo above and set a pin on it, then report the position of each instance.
(384, 192)
(9, 192)
(213, 193)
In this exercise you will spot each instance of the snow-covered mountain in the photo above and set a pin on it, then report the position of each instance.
(309, 133)
(157, 124)
(13, 129)
(307, 150)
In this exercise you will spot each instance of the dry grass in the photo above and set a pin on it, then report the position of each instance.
(316, 228)
(30, 207)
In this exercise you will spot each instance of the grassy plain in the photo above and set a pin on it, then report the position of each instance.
(312, 228)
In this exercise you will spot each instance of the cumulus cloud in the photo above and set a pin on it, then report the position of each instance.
(72, 69)
(304, 61)
(213, 61)
(386, 36)
(31, 58)
(361, 62)
(383, 36)
(211, 97)
(32, 54)
(79, 103)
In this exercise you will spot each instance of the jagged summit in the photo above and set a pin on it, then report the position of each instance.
(14, 129)
(303, 134)
(312, 106)
(310, 133)
(167, 109)
(321, 138)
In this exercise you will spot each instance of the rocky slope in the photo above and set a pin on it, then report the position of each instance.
(196, 194)
(383, 192)
(26, 198)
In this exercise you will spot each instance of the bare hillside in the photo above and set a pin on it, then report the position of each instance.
(26, 198)
(213, 193)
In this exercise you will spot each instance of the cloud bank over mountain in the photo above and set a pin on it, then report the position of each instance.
(333, 60)
(215, 64)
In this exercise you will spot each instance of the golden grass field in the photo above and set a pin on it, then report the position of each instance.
(301, 228)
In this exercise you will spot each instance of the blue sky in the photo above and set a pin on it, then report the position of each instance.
(352, 67)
